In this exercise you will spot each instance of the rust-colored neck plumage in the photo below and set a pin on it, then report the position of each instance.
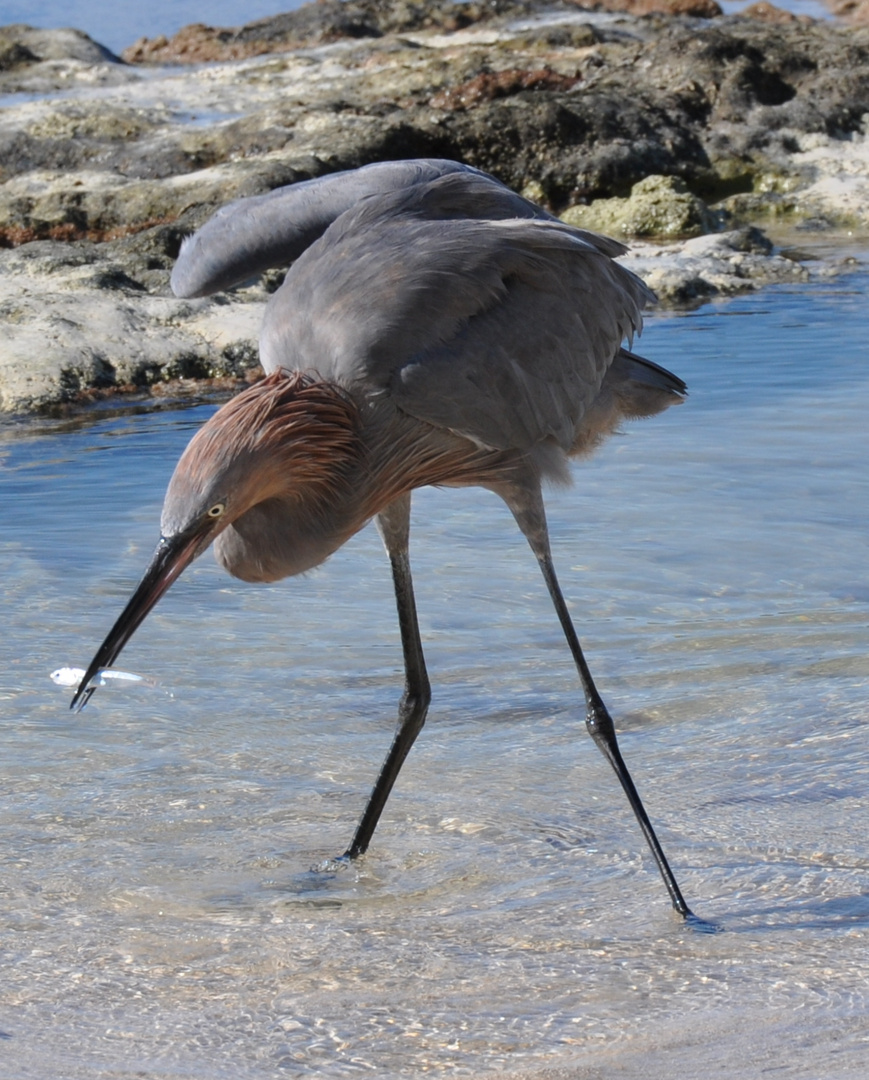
(294, 466)
(297, 435)
(286, 433)
(405, 454)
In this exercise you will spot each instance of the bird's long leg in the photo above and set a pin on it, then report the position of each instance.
(394, 527)
(526, 503)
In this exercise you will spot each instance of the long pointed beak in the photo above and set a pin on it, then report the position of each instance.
(173, 554)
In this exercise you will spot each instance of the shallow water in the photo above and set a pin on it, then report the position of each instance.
(160, 915)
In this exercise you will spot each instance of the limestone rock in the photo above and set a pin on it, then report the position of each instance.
(659, 206)
(577, 105)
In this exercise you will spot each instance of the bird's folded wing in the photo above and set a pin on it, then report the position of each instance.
(251, 235)
(500, 330)
(529, 366)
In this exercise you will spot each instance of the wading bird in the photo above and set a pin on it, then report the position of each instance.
(433, 328)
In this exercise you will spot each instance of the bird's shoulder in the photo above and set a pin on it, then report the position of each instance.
(470, 316)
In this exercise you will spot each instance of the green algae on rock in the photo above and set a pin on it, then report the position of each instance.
(659, 206)
(569, 105)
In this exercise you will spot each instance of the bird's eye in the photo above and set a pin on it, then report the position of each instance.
(217, 510)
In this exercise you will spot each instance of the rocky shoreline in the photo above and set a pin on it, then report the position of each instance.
(692, 131)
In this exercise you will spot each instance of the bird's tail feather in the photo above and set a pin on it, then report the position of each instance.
(633, 387)
(646, 373)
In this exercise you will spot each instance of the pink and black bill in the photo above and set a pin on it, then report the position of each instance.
(173, 554)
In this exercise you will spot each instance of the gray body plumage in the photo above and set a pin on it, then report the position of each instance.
(433, 286)
(250, 235)
(433, 327)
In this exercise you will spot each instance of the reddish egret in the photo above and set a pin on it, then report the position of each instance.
(433, 328)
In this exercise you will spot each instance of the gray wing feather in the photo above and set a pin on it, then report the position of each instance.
(529, 367)
(251, 235)
(647, 374)
(469, 310)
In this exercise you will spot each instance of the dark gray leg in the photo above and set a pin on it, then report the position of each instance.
(526, 503)
(394, 527)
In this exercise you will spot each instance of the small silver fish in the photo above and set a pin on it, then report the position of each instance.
(72, 676)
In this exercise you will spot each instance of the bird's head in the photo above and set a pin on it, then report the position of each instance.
(285, 435)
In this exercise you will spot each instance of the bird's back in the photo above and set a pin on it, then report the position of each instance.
(251, 235)
(498, 327)
(431, 286)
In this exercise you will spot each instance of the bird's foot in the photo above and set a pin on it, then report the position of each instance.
(340, 864)
(701, 926)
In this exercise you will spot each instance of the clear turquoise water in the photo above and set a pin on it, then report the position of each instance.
(159, 914)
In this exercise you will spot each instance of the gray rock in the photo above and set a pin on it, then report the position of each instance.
(40, 61)
(75, 320)
(659, 206)
(101, 181)
(32, 46)
(721, 264)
